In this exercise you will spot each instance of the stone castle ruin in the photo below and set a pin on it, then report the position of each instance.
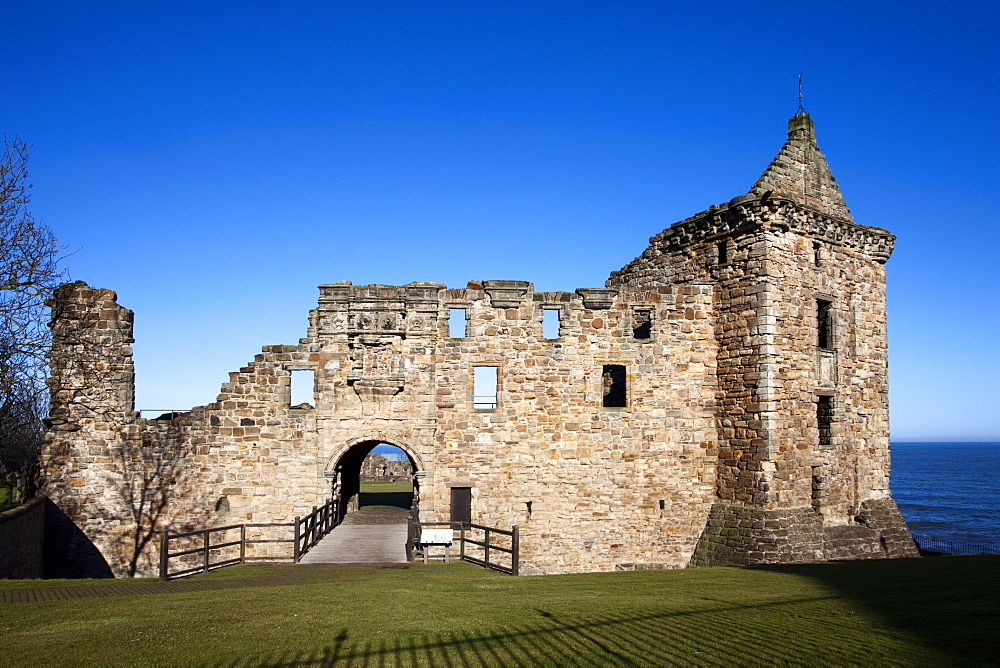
(722, 400)
(376, 468)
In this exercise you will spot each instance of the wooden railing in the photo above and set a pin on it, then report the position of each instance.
(200, 555)
(483, 552)
(313, 527)
(224, 556)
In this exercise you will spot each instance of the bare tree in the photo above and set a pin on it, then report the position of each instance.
(29, 271)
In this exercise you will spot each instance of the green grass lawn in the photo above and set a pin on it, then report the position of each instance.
(397, 494)
(5, 504)
(933, 611)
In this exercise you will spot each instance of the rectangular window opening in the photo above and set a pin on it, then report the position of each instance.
(461, 504)
(642, 323)
(824, 420)
(457, 323)
(484, 393)
(817, 253)
(303, 388)
(723, 251)
(824, 323)
(613, 381)
(551, 323)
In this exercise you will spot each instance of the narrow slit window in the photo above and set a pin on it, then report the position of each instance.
(817, 253)
(642, 323)
(824, 323)
(824, 420)
(723, 252)
(303, 388)
(457, 323)
(613, 381)
(484, 393)
(551, 323)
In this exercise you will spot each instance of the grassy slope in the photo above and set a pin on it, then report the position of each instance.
(929, 611)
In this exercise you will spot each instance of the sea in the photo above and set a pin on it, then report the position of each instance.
(949, 493)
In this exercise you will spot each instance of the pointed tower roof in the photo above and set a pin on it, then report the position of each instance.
(799, 172)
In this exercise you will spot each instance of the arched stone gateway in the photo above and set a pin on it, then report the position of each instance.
(343, 470)
(722, 400)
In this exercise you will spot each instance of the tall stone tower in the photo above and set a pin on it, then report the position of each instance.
(802, 398)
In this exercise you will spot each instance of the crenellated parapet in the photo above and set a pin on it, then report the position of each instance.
(746, 215)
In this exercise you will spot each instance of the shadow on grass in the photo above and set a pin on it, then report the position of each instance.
(939, 611)
(949, 604)
(689, 637)
(394, 499)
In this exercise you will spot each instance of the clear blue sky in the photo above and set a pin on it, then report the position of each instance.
(213, 162)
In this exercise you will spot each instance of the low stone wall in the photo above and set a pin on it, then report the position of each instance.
(883, 516)
(738, 535)
(21, 533)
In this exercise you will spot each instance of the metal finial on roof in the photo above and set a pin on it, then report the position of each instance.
(802, 109)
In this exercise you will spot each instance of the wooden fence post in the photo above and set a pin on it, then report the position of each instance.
(205, 554)
(461, 539)
(164, 554)
(295, 542)
(312, 539)
(243, 543)
(515, 547)
(486, 547)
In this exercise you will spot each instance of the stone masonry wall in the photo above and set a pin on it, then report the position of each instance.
(21, 533)
(375, 467)
(774, 256)
(608, 486)
(688, 412)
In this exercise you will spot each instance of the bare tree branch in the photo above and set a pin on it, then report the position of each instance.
(29, 272)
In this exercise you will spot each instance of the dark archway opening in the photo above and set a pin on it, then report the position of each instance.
(376, 475)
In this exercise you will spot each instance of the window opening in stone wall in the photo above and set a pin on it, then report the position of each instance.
(484, 392)
(824, 420)
(817, 487)
(642, 323)
(551, 323)
(817, 253)
(457, 323)
(613, 381)
(461, 504)
(303, 388)
(723, 252)
(824, 323)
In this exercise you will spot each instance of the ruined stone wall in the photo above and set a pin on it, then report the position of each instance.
(21, 534)
(607, 485)
(91, 389)
(106, 469)
(725, 248)
(691, 403)
(389, 371)
(377, 468)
